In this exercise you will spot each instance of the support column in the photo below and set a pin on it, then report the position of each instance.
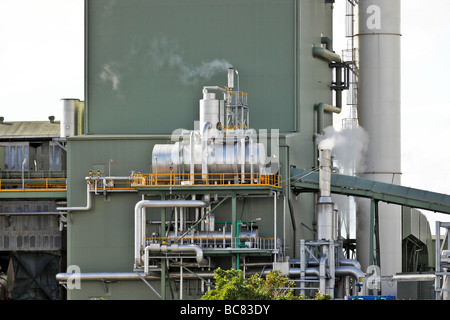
(374, 253)
(163, 261)
(374, 240)
(235, 262)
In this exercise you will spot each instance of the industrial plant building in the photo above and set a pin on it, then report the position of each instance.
(203, 142)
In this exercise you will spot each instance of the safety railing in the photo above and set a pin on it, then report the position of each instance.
(34, 184)
(210, 179)
(206, 242)
(237, 98)
(110, 184)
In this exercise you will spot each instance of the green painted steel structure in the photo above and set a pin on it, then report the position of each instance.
(146, 64)
(303, 180)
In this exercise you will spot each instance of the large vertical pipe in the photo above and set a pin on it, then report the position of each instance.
(235, 258)
(325, 206)
(379, 114)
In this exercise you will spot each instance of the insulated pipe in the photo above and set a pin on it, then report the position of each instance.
(322, 107)
(350, 262)
(173, 248)
(328, 55)
(88, 204)
(206, 127)
(322, 273)
(206, 88)
(340, 271)
(155, 204)
(325, 212)
(191, 142)
(341, 262)
(105, 276)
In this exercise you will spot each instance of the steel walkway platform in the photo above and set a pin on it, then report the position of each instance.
(307, 181)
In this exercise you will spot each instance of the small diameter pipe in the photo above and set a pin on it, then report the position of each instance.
(87, 207)
(204, 137)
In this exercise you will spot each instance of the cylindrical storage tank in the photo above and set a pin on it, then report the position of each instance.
(221, 158)
(379, 94)
(209, 110)
(68, 124)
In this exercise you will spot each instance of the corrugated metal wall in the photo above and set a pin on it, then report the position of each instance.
(146, 65)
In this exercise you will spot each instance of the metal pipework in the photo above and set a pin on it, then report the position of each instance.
(231, 156)
(213, 151)
(328, 55)
(173, 248)
(325, 206)
(139, 214)
(217, 235)
(87, 207)
(231, 78)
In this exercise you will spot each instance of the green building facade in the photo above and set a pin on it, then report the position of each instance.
(146, 64)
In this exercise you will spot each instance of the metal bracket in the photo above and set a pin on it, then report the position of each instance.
(346, 71)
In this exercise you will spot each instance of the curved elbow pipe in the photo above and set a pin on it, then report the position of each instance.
(350, 271)
(329, 56)
(179, 248)
(87, 207)
(325, 54)
(173, 248)
(350, 262)
(322, 107)
(156, 204)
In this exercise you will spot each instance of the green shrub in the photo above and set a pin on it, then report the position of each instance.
(231, 285)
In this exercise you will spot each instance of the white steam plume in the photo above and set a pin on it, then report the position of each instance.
(110, 74)
(348, 146)
(165, 52)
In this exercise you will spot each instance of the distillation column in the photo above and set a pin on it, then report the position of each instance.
(379, 114)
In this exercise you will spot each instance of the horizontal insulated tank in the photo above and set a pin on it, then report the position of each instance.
(230, 157)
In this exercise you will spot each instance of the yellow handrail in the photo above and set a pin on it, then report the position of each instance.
(210, 179)
(33, 184)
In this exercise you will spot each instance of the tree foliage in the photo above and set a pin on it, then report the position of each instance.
(231, 285)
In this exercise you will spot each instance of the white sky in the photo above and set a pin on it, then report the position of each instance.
(41, 57)
(42, 61)
(425, 98)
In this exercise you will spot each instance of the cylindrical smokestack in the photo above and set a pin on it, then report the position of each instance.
(325, 207)
(379, 114)
(231, 78)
